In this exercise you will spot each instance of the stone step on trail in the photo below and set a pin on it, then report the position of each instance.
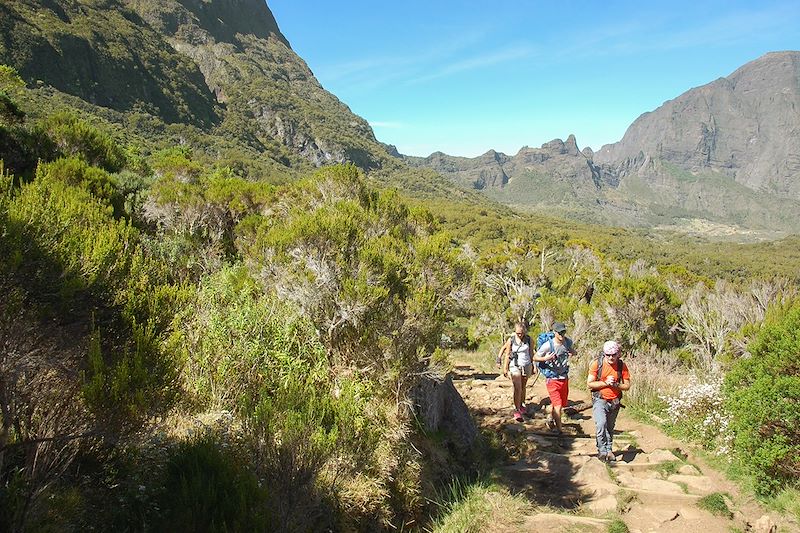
(563, 472)
(671, 520)
(558, 523)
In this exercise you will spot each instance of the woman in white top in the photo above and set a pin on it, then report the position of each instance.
(517, 362)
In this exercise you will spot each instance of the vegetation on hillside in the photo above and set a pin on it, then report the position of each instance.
(186, 340)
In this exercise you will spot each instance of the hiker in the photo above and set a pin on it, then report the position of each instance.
(608, 377)
(553, 360)
(516, 353)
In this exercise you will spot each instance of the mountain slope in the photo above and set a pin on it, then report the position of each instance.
(724, 157)
(222, 66)
(745, 126)
(251, 68)
(105, 55)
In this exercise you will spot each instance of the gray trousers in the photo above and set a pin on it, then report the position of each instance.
(605, 417)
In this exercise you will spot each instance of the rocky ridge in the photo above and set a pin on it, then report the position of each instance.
(745, 127)
(727, 153)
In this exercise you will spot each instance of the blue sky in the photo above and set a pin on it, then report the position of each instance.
(464, 77)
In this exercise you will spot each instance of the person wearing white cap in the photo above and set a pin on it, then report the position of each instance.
(608, 377)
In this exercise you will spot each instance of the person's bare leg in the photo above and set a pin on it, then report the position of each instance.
(523, 390)
(518, 391)
(557, 417)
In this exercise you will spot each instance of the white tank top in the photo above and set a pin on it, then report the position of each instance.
(522, 350)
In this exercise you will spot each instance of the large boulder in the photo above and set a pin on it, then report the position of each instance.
(440, 408)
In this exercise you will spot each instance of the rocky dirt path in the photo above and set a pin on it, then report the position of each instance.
(655, 484)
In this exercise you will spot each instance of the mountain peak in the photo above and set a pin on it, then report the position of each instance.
(743, 126)
(224, 20)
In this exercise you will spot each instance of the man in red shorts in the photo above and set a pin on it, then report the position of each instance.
(554, 358)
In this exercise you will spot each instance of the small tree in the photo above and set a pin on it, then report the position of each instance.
(366, 270)
(763, 395)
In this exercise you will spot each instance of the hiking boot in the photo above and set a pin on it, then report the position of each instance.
(550, 423)
(602, 457)
(610, 457)
(518, 416)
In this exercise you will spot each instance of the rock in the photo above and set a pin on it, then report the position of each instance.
(691, 513)
(439, 407)
(661, 456)
(663, 514)
(765, 525)
(571, 146)
(603, 505)
(689, 470)
(539, 440)
(696, 484)
(514, 429)
(593, 478)
(627, 479)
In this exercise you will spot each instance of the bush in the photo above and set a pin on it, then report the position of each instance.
(763, 393)
(75, 258)
(366, 270)
(208, 488)
(697, 412)
(74, 137)
(237, 344)
(76, 172)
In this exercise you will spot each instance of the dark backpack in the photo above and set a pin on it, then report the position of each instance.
(549, 368)
(596, 393)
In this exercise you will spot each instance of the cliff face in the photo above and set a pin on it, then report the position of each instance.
(745, 127)
(727, 152)
(220, 64)
(105, 55)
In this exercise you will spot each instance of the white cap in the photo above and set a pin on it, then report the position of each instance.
(610, 348)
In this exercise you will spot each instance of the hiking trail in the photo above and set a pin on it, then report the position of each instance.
(654, 485)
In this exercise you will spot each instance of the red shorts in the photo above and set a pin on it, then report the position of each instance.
(558, 389)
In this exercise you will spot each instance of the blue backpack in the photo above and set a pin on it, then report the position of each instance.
(555, 368)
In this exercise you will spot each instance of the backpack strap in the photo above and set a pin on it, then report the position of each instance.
(596, 393)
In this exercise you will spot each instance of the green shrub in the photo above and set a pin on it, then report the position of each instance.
(75, 137)
(643, 310)
(618, 526)
(208, 488)
(76, 172)
(71, 251)
(236, 343)
(371, 275)
(715, 504)
(176, 163)
(763, 394)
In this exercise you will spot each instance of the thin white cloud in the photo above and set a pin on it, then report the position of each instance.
(478, 62)
(659, 33)
(428, 62)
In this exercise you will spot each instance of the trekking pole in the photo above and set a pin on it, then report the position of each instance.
(538, 373)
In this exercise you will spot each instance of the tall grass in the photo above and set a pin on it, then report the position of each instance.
(478, 507)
